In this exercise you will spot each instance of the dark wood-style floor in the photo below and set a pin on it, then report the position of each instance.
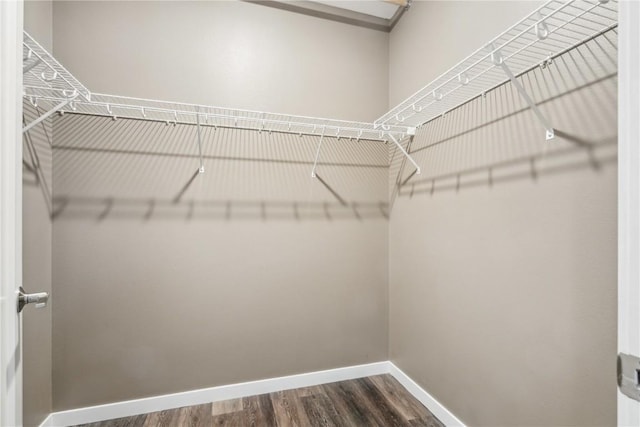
(373, 401)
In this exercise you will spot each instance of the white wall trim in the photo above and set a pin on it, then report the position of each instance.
(436, 408)
(129, 408)
(628, 196)
(213, 394)
(11, 23)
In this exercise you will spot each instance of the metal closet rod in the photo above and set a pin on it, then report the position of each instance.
(328, 127)
(332, 128)
(222, 126)
(195, 108)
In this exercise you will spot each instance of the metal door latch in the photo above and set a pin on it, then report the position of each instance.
(39, 299)
(629, 375)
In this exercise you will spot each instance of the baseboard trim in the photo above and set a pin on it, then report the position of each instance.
(436, 408)
(213, 394)
(129, 408)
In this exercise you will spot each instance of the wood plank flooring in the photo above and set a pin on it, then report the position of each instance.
(373, 401)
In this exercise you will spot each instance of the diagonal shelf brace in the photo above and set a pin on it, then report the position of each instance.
(47, 114)
(395, 141)
(497, 59)
(201, 169)
(315, 162)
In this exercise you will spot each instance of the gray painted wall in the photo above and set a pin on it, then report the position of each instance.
(503, 253)
(37, 229)
(168, 281)
(224, 53)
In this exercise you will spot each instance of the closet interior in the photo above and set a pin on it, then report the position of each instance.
(195, 246)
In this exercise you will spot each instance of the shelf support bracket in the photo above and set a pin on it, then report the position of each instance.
(201, 169)
(395, 141)
(497, 59)
(315, 162)
(47, 114)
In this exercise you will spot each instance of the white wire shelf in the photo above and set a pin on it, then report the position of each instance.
(552, 29)
(549, 31)
(49, 85)
(180, 113)
(45, 77)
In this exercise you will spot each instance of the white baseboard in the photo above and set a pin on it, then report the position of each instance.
(436, 408)
(197, 397)
(129, 408)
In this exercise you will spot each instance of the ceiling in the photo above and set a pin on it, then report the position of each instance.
(381, 15)
(378, 8)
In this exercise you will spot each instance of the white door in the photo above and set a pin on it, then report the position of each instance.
(10, 210)
(629, 198)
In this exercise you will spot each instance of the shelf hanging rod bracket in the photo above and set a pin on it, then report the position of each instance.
(47, 114)
(201, 169)
(497, 59)
(413, 162)
(315, 162)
